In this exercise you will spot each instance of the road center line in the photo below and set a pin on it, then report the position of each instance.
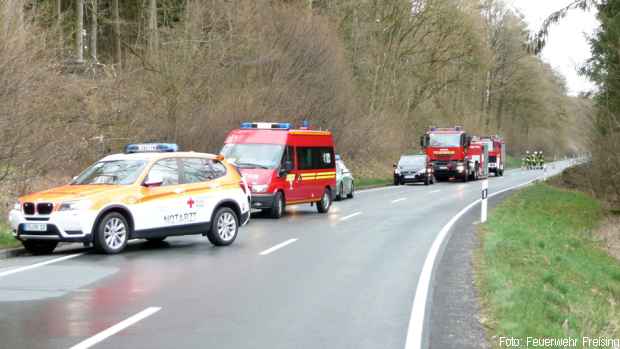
(350, 216)
(398, 200)
(116, 328)
(415, 339)
(277, 247)
(36, 265)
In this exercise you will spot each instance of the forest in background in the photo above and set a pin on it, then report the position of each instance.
(81, 78)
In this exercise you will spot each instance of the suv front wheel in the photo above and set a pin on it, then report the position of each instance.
(112, 233)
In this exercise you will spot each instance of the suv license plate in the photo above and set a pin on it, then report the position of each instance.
(35, 227)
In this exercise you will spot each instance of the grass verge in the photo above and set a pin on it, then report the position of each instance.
(6, 238)
(512, 162)
(542, 272)
(362, 183)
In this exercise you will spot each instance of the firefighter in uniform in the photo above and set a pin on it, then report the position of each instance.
(541, 160)
(527, 160)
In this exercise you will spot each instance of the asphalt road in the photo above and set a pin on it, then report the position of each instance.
(342, 280)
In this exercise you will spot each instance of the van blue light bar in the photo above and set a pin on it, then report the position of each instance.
(267, 125)
(151, 148)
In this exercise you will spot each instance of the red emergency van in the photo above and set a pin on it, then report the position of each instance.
(284, 166)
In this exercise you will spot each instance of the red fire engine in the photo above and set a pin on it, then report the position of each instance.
(284, 166)
(478, 156)
(497, 154)
(453, 154)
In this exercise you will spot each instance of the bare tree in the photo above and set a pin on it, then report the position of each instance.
(79, 30)
(117, 33)
(93, 29)
(153, 33)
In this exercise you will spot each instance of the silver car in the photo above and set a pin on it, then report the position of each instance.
(345, 185)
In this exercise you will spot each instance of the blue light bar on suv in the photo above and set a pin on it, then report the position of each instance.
(267, 125)
(151, 148)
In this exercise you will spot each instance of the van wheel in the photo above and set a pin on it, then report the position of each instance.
(277, 210)
(350, 195)
(224, 227)
(326, 201)
(39, 247)
(340, 193)
(112, 233)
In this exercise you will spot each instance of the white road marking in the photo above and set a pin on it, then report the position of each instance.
(387, 187)
(350, 216)
(434, 191)
(277, 247)
(418, 308)
(36, 265)
(398, 200)
(116, 328)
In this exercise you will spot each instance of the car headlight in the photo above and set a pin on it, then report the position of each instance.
(460, 168)
(259, 188)
(422, 171)
(74, 205)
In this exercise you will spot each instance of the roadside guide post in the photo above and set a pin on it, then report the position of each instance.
(483, 206)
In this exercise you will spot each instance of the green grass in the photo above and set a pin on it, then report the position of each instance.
(6, 238)
(361, 183)
(512, 162)
(541, 271)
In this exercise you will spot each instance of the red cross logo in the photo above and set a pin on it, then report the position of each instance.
(190, 203)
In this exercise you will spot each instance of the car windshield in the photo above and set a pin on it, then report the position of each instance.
(445, 139)
(267, 156)
(119, 172)
(412, 161)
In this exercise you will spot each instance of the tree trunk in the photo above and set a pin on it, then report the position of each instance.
(79, 38)
(117, 33)
(93, 30)
(153, 41)
(58, 10)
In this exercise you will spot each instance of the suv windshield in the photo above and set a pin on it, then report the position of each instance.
(119, 172)
(412, 161)
(445, 140)
(267, 156)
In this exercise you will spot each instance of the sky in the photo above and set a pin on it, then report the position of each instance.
(567, 48)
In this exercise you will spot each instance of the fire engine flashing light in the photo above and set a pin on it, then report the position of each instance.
(266, 125)
(151, 148)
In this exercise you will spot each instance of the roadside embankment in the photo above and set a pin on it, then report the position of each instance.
(544, 271)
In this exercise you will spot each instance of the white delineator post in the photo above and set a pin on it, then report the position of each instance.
(483, 206)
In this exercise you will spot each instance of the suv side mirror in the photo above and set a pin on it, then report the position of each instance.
(153, 182)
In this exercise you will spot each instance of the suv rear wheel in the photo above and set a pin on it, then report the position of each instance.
(39, 247)
(224, 227)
